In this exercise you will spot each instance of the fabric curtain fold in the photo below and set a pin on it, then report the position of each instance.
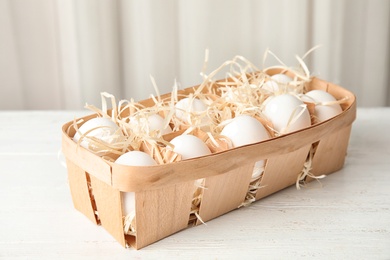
(61, 54)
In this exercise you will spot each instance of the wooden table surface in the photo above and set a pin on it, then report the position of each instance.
(345, 216)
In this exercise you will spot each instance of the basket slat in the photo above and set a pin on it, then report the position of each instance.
(225, 192)
(79, 190)
(331, 151)
(282, 171)
(109, 207)
(162, 212)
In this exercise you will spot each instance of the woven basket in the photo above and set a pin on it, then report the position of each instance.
(164, 193)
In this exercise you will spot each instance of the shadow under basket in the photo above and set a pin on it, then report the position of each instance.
(164, 193)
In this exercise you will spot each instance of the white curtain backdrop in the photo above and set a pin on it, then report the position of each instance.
(60, 54)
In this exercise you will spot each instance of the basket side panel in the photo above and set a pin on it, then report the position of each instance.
(80, 191)
(162, 212)
(331, 151)
(109, 207)
(282, 171)
(225, 192)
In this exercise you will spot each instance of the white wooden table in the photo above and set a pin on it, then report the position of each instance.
(346, 216)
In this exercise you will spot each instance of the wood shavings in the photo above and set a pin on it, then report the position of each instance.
(250, 196)
(129, 226)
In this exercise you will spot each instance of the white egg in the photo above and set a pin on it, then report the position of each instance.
(151, 123)
(187, 106)
(189, 146)
(136, 158)
(278, 82)
(281, 78)
(324, 111)
(133, 158)
(287, 113)
(156, 122)
(105, 130)
(245, 129)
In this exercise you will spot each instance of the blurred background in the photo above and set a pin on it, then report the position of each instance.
(60, 54)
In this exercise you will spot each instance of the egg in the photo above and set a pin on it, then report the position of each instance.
(105, 131)
(287, 113)
(187, 106)
(151, 123)
(324, 111)
(156, 122)
(189, 146)
(136, 158)
(133, 158)
(276, 82)
(243, 130)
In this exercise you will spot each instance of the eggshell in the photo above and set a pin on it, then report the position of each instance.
(151, 123)
(283, 108)
(189, 146)
(281, 78)
(106, 129)
(136, 158)
(156, 122)
(245, 129)
(324, 112)
(278, 82)
(133, 158)
(186, 106)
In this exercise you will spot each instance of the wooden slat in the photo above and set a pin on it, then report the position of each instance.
(225, 192)
(109, 207)
(282, 171)
(331, 151)
(79, 190)
(162, 212)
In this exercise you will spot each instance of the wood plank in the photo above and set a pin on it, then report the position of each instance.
(331, 152)
(224, 192)
(282, 171)
(79, 190)
(109, 208)
(162, 212)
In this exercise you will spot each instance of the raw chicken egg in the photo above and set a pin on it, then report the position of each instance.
(243, 130)
(287, 113)
(324, 111)
(156, 122)
(278, 82)
(189, 146)
(136, 158)
(187, 106)
(99, 127)
(151, 123)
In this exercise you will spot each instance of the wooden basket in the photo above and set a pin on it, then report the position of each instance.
(163, 193)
